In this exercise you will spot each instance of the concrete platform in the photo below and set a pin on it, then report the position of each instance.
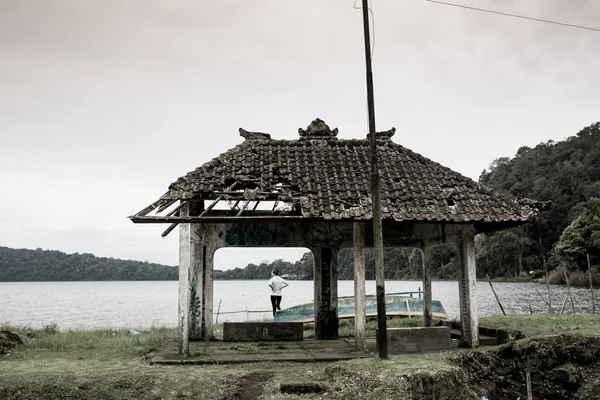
(237, 353)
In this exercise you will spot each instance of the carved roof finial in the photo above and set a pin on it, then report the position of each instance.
(384, 135)
(254, 135)
(318, 129)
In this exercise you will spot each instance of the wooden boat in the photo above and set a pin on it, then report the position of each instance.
(403, 304)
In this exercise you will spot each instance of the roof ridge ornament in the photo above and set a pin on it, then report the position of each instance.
(384, 135)
(318, 129)
(254, 135)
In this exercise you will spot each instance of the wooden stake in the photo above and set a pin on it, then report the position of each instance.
(218, 310)
(591, 283)
(547, 281)
(543, 299)
(569, 289)
(497, 299)
(529, 392)
(563, 306)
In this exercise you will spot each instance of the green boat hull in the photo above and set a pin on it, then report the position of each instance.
(395, 305)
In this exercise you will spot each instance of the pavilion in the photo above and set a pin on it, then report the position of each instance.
(315, 192)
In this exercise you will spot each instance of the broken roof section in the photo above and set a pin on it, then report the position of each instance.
(322, 177)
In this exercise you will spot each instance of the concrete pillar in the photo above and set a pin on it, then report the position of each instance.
(208, 293)
(196, 280)
(360, 318)
(183, 311)
(427, 307)
(326, 322)
(467, 281)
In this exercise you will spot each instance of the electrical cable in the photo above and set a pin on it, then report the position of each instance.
(372, 25)
(514, 15)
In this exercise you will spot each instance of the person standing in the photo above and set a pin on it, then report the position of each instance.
(276, 283)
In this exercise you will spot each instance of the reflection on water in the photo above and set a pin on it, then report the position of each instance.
(89, 305)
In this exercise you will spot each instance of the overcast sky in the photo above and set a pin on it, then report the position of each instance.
(104, 103)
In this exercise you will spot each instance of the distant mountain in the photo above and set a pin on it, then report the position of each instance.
(51, 265)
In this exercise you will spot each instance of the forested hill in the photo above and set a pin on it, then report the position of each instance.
(568, 174)
(51, 265)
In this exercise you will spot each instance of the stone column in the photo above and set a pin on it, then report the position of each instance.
(183, 311)
(427, 307)
(467, 281)
(325, 272)
(360, 318)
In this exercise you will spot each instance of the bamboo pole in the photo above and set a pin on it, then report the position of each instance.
(543, 299)
(563, 306)
(547, 279)
(495, 295)
(591, 283)
(218, 310)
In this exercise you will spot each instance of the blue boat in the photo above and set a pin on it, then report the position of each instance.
(401, 304)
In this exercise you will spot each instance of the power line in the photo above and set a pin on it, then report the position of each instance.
(515, 15)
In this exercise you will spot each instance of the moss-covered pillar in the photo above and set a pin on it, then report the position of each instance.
(360, 318)
(325, 305)
(467, 281)
(427, 302)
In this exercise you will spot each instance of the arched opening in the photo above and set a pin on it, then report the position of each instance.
(241, 275)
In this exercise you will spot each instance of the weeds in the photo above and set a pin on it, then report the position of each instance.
(250, 348)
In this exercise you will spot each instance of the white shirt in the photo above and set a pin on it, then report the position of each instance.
(277, 283)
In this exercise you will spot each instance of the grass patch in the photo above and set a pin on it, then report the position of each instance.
(111, 364)
(538, 325)
(248, 347)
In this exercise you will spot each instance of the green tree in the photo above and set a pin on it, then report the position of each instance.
(581, 237)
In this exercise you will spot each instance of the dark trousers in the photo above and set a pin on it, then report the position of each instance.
(276, 302)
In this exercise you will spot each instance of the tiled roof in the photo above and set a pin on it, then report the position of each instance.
(330, 178)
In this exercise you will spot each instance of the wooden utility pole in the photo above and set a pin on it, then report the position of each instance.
(376, 199)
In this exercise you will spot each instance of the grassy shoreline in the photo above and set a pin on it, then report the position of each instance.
(111, 364)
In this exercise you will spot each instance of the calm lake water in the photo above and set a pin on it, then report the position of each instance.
(89, 305)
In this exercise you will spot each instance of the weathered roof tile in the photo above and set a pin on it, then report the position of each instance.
(330, 178)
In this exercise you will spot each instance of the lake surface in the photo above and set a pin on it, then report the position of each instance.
(90, 305)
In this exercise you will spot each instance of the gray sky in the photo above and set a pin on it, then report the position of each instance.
(104, 103)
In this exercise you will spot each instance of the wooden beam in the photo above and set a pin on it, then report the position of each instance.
(243, 208)
(262, 195)
(227, 219)
(179, 207)
(214, 203)
(169, 229)
(175, 212)
(158, 203)
(165, 206)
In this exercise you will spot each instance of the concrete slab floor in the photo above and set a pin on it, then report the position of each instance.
(218, 352)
